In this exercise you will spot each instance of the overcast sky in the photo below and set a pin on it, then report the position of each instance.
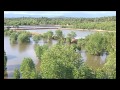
(59, 13)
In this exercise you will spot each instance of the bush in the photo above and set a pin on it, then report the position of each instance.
(16, 74)
(59, 62)
(27, 69)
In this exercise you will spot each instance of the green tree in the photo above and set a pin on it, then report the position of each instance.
(27, 69)
(39, 50)
(16, 74)
(84, 72)
(13, 37)
(110, 66)
(5, 60)
(36, 38)
(95, 44)
(68, 40)
(24, 37)
(59, 34)
(59, 61)
(50, 34)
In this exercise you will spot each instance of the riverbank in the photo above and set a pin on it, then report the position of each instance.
(33, 33)
(57, 27)
(87, 30)
(96, 30)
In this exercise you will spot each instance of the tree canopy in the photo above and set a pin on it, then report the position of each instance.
(104, 23)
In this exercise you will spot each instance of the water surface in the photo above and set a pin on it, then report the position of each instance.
(17, 52)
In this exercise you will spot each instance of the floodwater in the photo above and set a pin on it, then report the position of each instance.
(16, 53)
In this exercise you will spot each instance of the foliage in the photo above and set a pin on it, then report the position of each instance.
(71, 34)
(13, 37)
(36, 38)
(59, 34)
(110, 44)
(100, 74)
(104, 23)
(8, 32)
(27, 69)
(5, 60)
(59, 61)
(110, 66)
(84, 72)
(109, 69)
(68, 40)
(24, 37)
(39, 50)
(47, 37)
(95, 45)
(16, 74)
(81, 42)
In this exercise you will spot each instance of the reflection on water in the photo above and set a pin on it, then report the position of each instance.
(11, 57)
(93, 61)
(23, 47)
(17, 52)
(79, 33)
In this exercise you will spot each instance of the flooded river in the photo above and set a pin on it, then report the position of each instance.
(16, 53)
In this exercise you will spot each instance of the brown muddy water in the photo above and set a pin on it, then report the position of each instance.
(16, 53)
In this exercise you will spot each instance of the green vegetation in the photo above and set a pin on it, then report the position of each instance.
(104, 23)
(13, 37)
(80, 43)
(36, 38)
(72, 35)
(109, 69)
(5, 60)
(68, 40)
(95, 44)
(8, 32)
(23, 37)
(27, 69)
(62, 61)
(47, 37)
(59, 34)
(39, 50)
(16, 74)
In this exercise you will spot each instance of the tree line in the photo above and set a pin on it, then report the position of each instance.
(103, 23)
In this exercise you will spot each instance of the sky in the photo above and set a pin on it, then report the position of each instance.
(85, 14)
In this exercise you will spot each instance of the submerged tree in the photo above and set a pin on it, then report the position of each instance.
(95, 44)
(27, 69)
(68, 40)
(39, 50)
(72, 34)
(5, 60)
(16, 74)
(59, 34)
(24, 37)
(110, 66)
(36, 38)
(13, 37)
(62, 62)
